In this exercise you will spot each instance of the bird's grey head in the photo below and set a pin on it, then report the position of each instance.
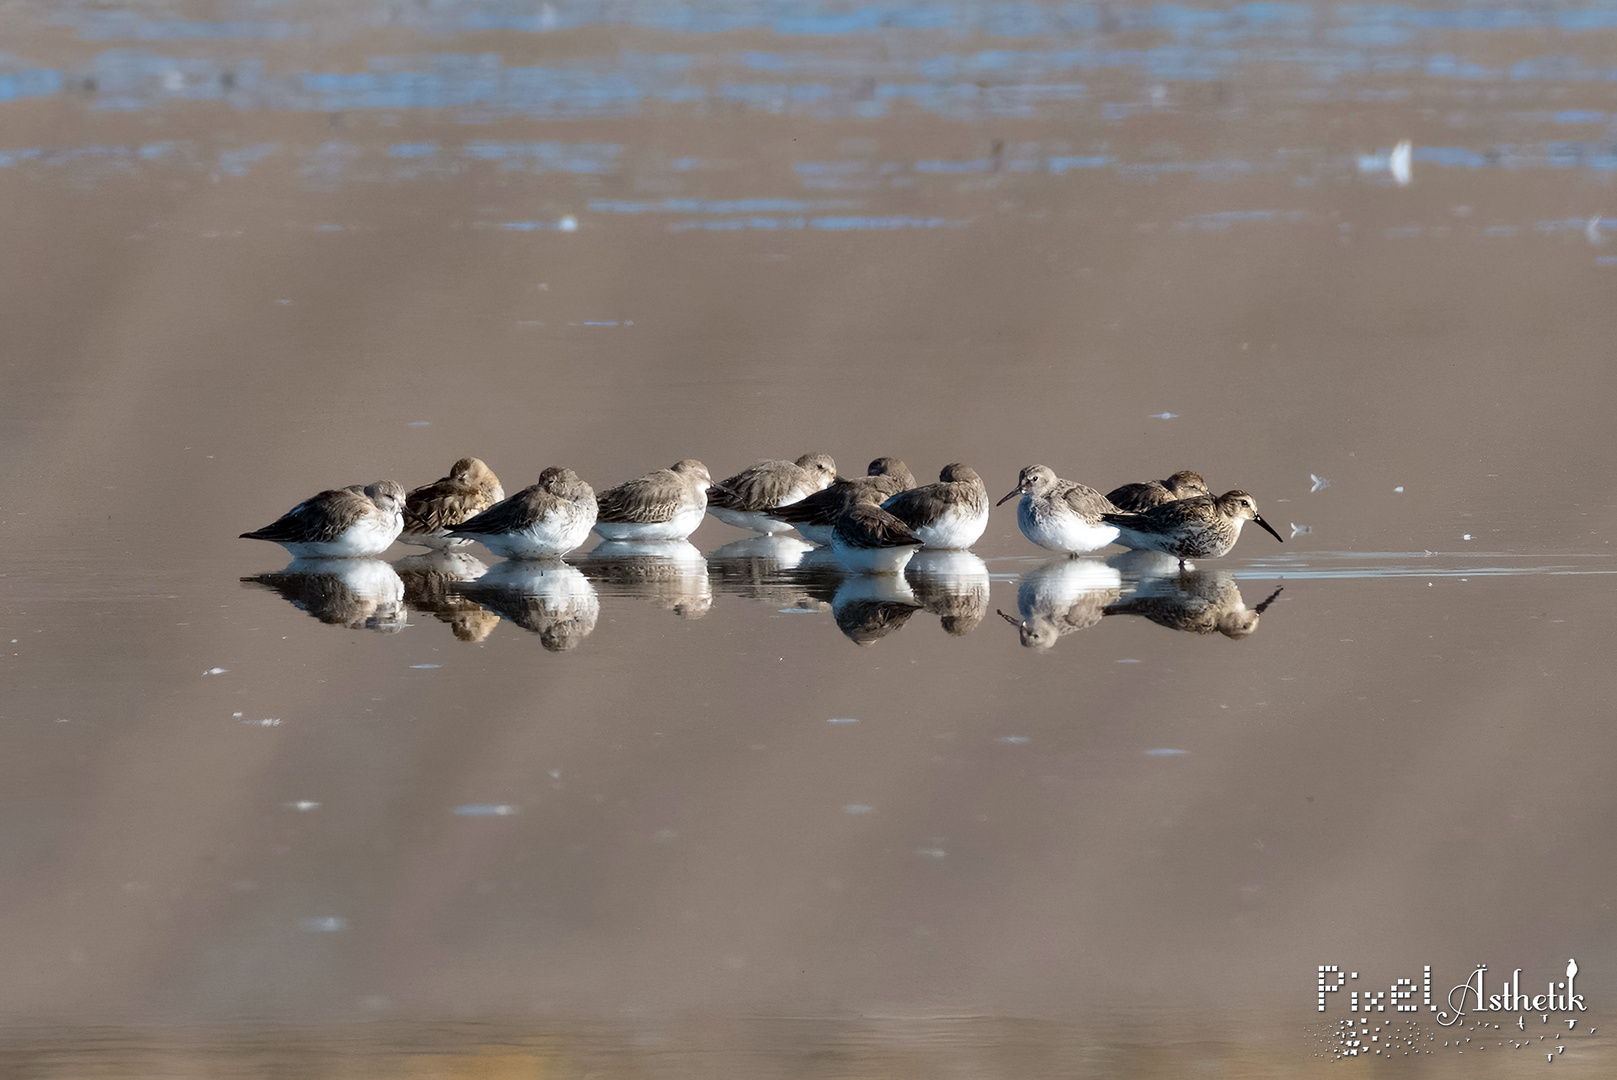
(958, 473)
(1033, 480)
(891, 466)
(386, 494)
(1185, 484)
(693, 470)
(821, 466)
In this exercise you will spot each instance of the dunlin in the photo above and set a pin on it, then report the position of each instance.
(544, 521)
(744, 499)
(867, 539)
(1197, 602)
(949, 514)
(816, 515)
(1194, 528)
(664, 505)
(1061, 597)
(1061, 515)
(432, 510)
(344, 523)
(1138, 498)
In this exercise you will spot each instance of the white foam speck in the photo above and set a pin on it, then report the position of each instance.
(324, 924)
(1166, 751)
(302, 805)
(216, 671)
(842, 720)
(857, 808)
(425, 667)
(486, 810)
(1399, 490)
(1014, 740)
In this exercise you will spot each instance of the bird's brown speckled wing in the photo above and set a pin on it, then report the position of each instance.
(442, 506)
(760, 487)
(513, 515)
(1086, 502)
(869, 526)
(1138, 498)
(318, 520)
(650, 499)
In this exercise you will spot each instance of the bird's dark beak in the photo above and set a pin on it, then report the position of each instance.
(1268, 528)
(1009, 497)
(1001, 614)
(1264, 606)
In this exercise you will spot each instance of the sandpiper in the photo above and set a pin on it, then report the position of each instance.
(344, 523)
(1194, 528)
(544, 521)
(1199, 602)
(744, 499)
(816, 515)
(432, 510)
(1061, 515)
(867, 539)
(664, 505)
(1138, 498)
(949, 514)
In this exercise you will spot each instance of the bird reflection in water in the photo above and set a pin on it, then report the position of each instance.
(1197, 601)
(1062, 597)
(952, 585)
(868, 607)
(545, 596)
(672, 574)
(430, 587)
(753, 568)
(361, 594)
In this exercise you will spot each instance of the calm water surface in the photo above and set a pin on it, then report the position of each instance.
(722, 810)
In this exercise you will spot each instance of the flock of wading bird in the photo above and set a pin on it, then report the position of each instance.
(873, 526)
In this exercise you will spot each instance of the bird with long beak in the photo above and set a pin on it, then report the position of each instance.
(1061, 515)
(1203, 527)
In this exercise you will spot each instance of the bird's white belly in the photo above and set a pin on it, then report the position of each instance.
(677, 527)
(363, 539)
(553, 535)
(816, 534)
(887, 560)
(1063, 532)
(753, 520)
(956, 527)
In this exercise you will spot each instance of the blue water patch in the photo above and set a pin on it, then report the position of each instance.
(486, 810)
(30, 83)
(1166, 751)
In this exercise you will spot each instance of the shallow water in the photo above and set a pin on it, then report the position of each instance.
(723, 810)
